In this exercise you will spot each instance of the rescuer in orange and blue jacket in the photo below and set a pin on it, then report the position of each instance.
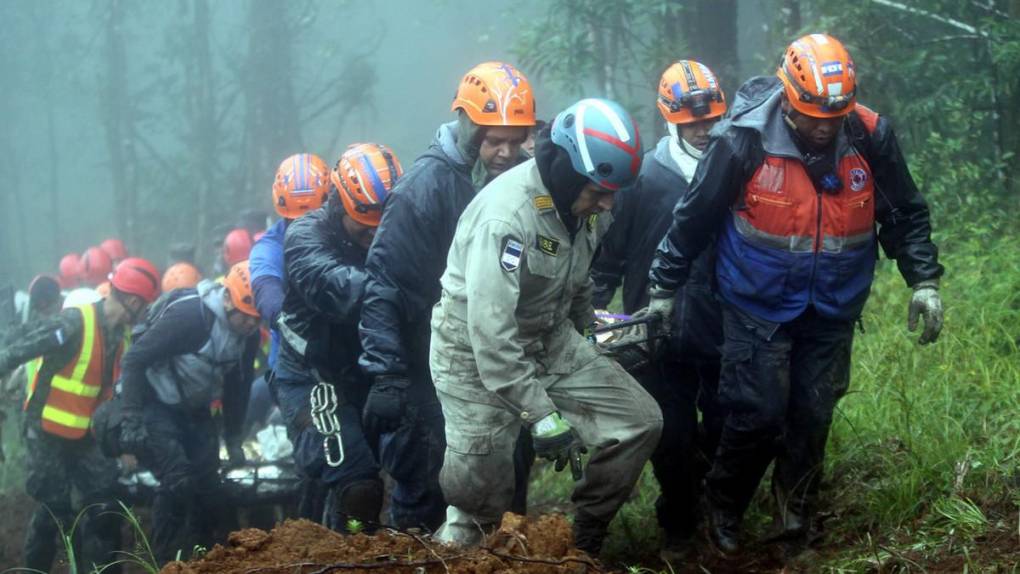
(80, 349)
(801, 185)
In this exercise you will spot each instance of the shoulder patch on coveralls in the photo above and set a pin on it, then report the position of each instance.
(547, 245)
(510, 254)
(543, 202)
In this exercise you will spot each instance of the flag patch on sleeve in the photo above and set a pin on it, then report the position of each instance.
(510, 256)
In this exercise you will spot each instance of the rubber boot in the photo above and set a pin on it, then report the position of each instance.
(361, 501)
(724, 531)
(589, 533)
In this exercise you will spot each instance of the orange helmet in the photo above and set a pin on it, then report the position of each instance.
(238, 283)
(496, 94)
(363, 177)
(301, 185)
(236, 246)
(94, 266)
(180, 276)
(819, 77)
(689, 92)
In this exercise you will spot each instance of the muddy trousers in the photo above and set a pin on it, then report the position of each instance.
(780, 385)
(55, 466)
(618, 421)
(357, 469)
(190, 506)
(684, 453)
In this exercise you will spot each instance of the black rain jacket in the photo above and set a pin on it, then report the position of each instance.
(407, 259)
(326, 282)
(641, 217)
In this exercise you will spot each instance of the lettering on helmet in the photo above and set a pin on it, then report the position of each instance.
(832, 68)
(510, 254)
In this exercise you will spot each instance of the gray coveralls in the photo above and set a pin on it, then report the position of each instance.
(506, 351)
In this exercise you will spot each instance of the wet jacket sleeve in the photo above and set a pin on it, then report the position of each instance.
(45, 337)
(901, 211)
(492, 295)
(182, 328)
(236, 390)
(326, 283)
(405, 264)
(610, 262)
(721, 173)
(269, 292)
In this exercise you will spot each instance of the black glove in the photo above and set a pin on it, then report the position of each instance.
(235, 456)
(384, 407)
(556, 440)
(133, 435)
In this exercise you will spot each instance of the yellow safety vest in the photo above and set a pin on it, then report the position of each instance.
(75, 391)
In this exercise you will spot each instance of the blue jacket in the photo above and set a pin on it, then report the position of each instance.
(781, 249)
(268, 281)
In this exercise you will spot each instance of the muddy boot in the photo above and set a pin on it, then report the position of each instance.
(724, 531)
(589, 533)
(676, 548)
(360, 501)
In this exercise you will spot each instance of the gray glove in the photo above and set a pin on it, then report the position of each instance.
(926, 303)
(661, 302)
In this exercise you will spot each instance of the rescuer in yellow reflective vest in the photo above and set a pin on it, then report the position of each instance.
(80, 349)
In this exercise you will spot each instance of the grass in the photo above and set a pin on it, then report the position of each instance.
(923, 463)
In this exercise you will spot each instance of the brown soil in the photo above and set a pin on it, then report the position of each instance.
(17, 508)
(542, 546)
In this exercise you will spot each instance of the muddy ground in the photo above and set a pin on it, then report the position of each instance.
(543, 546)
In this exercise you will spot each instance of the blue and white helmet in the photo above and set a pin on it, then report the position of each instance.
(602, 141)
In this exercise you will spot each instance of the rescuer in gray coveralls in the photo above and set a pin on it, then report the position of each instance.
(507, 348)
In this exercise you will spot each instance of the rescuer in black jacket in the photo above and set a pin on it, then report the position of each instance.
(318, 385)
(495, 110)
(685, 376)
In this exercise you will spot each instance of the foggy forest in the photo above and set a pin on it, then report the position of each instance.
(162, 124)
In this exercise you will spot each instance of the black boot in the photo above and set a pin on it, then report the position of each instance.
(589, 533)
(360, 501)
(724, 531)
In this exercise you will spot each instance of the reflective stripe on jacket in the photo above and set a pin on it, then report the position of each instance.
(788, 245)
(77, 389)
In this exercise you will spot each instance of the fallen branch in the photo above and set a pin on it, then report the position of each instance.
(561, 562)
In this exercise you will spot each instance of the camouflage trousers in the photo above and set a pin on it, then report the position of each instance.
(57, 467)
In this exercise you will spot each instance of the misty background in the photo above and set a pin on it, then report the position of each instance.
(159, 121)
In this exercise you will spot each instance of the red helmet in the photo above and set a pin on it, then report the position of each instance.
(69, 270)
(95, 266)
(236, 246)
(136, 276)
(301, 185)
(114, 248)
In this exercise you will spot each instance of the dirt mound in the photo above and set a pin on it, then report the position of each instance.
(540, 546)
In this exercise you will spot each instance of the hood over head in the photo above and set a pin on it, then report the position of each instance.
(558, 175)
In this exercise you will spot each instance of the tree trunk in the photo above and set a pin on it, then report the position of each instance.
(118, 115)
(710, 27)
